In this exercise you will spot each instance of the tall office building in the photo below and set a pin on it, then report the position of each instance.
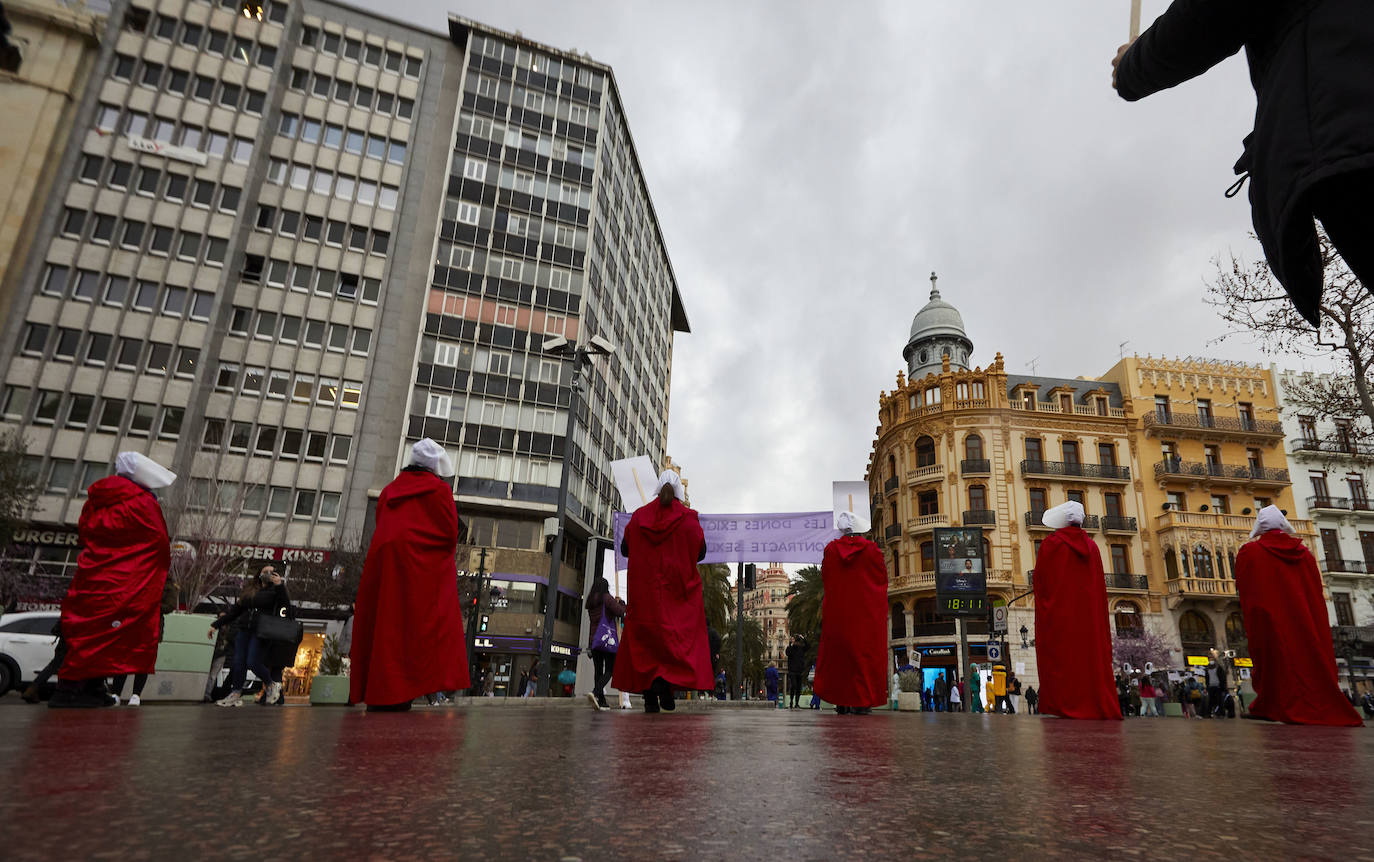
(286, 240)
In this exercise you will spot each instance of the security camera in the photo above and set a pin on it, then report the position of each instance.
(602, 344)
(557, 343)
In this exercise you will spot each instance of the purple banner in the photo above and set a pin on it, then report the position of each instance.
(793, 537)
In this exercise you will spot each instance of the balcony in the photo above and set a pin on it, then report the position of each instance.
(1335, 447)
(1333, 504)
(893, 532)
(1076, 470)
(1174, 519)
(928, 473)
(926, 523)
(1033, 519)
(980, 518)
(975, 467)
(890, 486)
(1201, 588)
(1217, 472)
(1118, 524)
(1212, 427)
(1121, 581)
(1076, 409)
(930, 630)
(1347, 567)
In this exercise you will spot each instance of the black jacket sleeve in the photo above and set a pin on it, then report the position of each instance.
(231, 615)
(1190, 37)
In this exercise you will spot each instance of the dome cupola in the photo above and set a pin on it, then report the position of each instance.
(937, 331)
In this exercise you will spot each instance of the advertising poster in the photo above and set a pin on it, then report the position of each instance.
(961, 583)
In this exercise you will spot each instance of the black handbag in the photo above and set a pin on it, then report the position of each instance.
(271, 627)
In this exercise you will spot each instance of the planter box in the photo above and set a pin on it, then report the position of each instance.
(909, 701)
(1174, 709)
(183, 661)
(329, 690)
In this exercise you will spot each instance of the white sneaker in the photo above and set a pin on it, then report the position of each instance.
(134, 700)
(273, 692)
(116, 699)
(592, 699)
(233, 698)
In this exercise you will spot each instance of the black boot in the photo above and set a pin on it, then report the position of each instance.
(650, 700)
(665, 695)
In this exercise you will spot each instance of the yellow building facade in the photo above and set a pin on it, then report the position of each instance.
(59, 42)
(767, 603)
(1211, 454)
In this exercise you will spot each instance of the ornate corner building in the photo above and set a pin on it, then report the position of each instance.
(1168, 458)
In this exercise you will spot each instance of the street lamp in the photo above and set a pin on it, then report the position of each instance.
(1024, 643)
(581, 355)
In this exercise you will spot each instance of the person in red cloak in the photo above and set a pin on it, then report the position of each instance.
(407, 624)
(664, 646)
(1286, 629)
(1073, 644)
(851, 661)
(111, 613)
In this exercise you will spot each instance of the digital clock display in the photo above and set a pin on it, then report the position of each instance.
(977, 605)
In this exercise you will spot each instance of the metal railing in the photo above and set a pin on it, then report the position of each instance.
(1336, 447)
(1217, 470)
(1118, 523)
(979, 517)
(1354, 567)
(893, 531)
(1124, 581)
(1265, 427)
(1033, 518)
(975, 465)
(1076, 469)
(890, 485)
(1090, 522)
(1320, 502)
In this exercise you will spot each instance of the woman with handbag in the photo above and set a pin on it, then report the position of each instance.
(604, 612)
(264, 599)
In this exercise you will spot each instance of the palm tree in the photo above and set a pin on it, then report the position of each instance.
(754, 645)
(720, 601)
(804, 604)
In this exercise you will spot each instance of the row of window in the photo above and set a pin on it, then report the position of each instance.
(317, 229)
(78, 412)
(1218, 503)
(523, 139)
(150, 181)
(532, 100)
(135, 235)
(269, 441)
(496, 413)
(201, 38)
(292, 329)
(238, 150)
(119, 291)
(180, 82)
(273, 501)
(250, 382)
(341, 186)
(377, 101)
(335, 137)
(485, 360)
(523, 58)
(280, 273)
(368, 54)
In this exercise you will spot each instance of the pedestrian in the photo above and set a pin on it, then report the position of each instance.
(1367, 704)
(1146, 694)
(955, 699)
(721, 687)
(927, 701)
(851, 659)
(1123, 699)
(533, 682)
(264, 595)
(999, 690)
(110, 613)
(33, 694)
(770, 681)
(815, 702)
(975, 689)
(1289, 637)
(1192, 694)
(796, 670)
(1031, 700)
(524, 681)
(1311, 153)
(896, 688)
(1073, 644)
(408, 631)
(604, 612)
(1014, 692)
(963, 697)
(1134, 700)
(940, 692)
(1216, 684)
(168, 604)
(665, 645)
(567, 677)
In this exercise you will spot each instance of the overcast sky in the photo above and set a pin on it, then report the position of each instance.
(810, 169)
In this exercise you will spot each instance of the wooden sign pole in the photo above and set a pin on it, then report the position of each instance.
(1135, 20)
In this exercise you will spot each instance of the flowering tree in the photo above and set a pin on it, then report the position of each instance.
(1137, 648)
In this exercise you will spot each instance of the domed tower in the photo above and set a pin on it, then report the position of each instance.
(937, 331)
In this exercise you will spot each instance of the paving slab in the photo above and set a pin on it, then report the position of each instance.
(191, 782)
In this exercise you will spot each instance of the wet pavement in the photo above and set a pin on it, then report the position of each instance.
(199, 781)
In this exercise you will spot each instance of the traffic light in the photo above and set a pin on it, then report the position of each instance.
(750, 575)
(482, 625)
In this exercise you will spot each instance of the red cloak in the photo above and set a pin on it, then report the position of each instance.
(111, 614)
(1073, 643)
(665, 617)
(407, 624)
(851, 662)
(1288, 634)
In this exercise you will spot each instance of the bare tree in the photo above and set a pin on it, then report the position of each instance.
(209, 515)
(18, 491)
(1249, 299)
(332, 582)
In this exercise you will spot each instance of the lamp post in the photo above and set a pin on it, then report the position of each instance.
(1024, 643)
(580, 355)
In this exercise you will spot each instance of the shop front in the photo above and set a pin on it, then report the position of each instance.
(39, 564)
(938, 659)
(507, 661)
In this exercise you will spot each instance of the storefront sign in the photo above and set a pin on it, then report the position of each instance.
(156, 148)
(64, 538)
(936, 650)
(267, 553)
(1198, 661)
(1241, 661)
(559, 649)
(796, 537)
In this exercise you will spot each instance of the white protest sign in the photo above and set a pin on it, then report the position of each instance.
(853, 497)
(634, 479)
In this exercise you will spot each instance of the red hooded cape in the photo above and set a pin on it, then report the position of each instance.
(1073, 643)
(408, 626)
(1288, 634)
(111, 612)
(851, 663)
(665, 617)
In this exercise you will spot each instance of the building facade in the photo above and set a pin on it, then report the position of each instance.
(59, 44)
(280, 248)
(978, 447)
(1209, 446)
(767, 603)
(1332, 470)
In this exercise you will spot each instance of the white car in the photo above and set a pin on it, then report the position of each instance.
(26, 646)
